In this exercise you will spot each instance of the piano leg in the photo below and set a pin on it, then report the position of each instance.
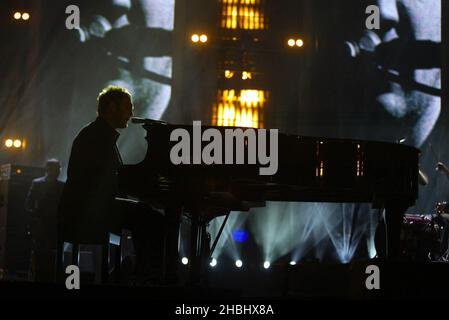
(199, 249)
(171, 255)
(394, 213)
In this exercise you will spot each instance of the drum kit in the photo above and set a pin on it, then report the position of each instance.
(424, 237)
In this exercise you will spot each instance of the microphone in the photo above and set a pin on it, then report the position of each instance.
(148, 121)
(396, 59)
(367, 43)
(396, 54)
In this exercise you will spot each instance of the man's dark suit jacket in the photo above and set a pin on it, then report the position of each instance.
(87, 202)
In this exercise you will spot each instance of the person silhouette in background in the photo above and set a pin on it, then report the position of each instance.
(42, 205)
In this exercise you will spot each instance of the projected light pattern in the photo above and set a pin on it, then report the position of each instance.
(242, 108)
(144, 68)
(243, 14)
(304, 229)
(299, 231)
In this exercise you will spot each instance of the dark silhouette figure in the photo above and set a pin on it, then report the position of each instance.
(42, 204)
(88, 206)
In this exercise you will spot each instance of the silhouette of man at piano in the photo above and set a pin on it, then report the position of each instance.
(88, 205)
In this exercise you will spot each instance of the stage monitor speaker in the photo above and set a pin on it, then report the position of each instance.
(15, 181)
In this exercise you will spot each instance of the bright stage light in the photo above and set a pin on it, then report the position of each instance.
(203, 38)
(185, 261)
(9, 143)
(246, 75)
(17, 15)
(229, 74)
(17, 143)
(291, 42)
(266, 264)
(239, 263)
(195, 38)
(299, 43)
(240, 236)
(293, 263)
(25, 16)
(213, 262)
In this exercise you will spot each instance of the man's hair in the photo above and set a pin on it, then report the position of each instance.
(110, 95)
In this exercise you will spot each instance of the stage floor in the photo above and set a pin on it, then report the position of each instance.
(309, 281)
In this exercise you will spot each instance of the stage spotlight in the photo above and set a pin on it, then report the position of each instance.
(266, 264)
(195, 38)
(213, 262)
(291, 42)
(246, 75)
(9, 143)
(229, 74)
(239, 263)
(25, 16)
(185, 261)
(299, 43)
(293, 263)
(17, 15)
(17, 143)
(203, 38)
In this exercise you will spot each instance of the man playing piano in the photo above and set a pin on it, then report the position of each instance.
(88, 207)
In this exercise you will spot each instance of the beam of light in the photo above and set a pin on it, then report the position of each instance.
(266, 264)
(226, 243)
(184, 237)
(302, 228)
(346, 224)
(370, 239)
(213, 262)
(277, 228)
(238, 263)
(310, 232)
(292, 263)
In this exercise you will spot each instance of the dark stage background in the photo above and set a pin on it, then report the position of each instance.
(51, 77)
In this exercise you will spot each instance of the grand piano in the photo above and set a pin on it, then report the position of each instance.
(310, 169)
